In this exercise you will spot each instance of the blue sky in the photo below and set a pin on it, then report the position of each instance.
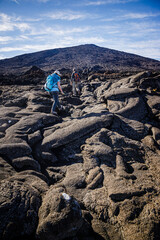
(33, 25)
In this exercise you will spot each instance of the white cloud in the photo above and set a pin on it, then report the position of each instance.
(143, 28)
(131, 16)
(8, 23)
(5, 22)
(83, 40)
(10, 49)
(139, 15)
(4, 17)
(22, 26)
(57, 31)
(22, 48)
(6, 27)
(43, 1)
(97, 3)
(67, 15)
(16, 1)
(69, 31)
(28, 48)
(5, 39)
(24, 37)
(137, 29)
(33, 20)
(65, 41)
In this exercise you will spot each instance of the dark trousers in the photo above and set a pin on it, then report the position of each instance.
(56, 101)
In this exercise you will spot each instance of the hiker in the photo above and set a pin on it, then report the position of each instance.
(75, 82)
(53, 86)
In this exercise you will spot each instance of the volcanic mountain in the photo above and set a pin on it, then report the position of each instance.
(82, 57)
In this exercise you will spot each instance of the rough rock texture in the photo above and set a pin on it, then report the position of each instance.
(19, 204)
(92, 172)
(59, 216)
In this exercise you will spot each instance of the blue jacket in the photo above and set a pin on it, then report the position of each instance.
(56, 79)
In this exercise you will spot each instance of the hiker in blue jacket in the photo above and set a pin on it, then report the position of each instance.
(54, 90)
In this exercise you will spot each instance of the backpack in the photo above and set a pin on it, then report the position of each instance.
(76, 77)
(50, 82)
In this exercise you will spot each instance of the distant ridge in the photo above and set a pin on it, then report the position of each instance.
(83, 56)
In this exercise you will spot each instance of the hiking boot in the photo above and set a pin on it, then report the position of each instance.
(54, 113)
(61, 108)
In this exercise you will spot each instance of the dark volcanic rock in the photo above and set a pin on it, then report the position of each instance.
(61, 212)
(32, 76)
(19, 204)
(6, 170)
(92, 172)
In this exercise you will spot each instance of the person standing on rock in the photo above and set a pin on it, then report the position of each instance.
(75, 82)
(53, 86)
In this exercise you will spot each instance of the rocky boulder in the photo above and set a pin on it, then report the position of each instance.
(60, 216)
(19, 203)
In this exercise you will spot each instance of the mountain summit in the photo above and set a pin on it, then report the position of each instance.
(83, 56)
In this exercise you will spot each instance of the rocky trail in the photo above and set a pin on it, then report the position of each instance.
(92, 172)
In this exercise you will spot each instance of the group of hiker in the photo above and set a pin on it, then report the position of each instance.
(53, 87)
